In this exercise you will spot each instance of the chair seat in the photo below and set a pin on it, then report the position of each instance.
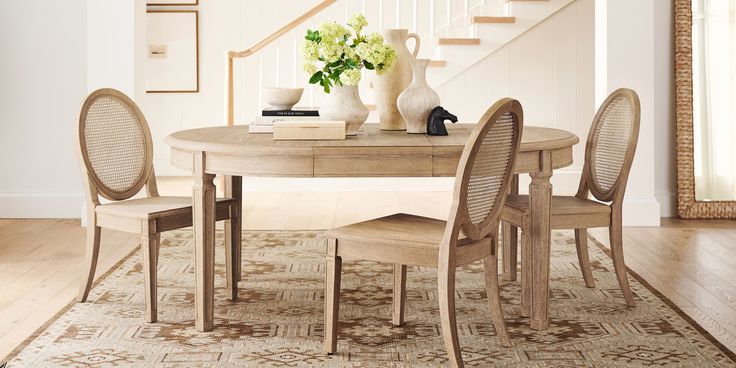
(399, 229)
(403, 239)
(152, 207)
(562, 205)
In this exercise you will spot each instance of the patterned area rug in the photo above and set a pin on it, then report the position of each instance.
(278, 320)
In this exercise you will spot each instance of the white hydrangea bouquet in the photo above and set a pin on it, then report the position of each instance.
(342, 54)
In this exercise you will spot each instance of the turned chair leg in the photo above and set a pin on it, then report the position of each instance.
(581, 242)
(509, 254)
(494, 298)
(333, 270)
(90, 259)
(149, 247)
(617, 254)
(446, 286)
(399, 300)
(232, 252)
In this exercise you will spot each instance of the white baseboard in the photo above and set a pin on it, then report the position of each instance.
(667, 202)
(641, 211)
(40, 204)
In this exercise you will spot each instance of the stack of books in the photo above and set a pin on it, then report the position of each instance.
(264, 123)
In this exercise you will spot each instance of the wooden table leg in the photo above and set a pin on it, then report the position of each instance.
(540, 201)
(510, 239)
(234, 189)
(204, 244)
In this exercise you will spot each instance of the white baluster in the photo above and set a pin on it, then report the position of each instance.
(347, 10)
(398, 14)
(362, 8)
(294, 61)
(260, 82)
(431, 18)
(278, 64)
(466, 8)
(449, 16)
(415, 15)
(380, 14)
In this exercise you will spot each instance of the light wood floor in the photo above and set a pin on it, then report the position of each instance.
(693, 263)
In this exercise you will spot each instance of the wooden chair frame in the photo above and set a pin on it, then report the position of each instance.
(480, 241)
(614, 196)
(152, 224)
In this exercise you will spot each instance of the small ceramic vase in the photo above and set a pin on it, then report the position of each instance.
(417, 100)
(343, 103)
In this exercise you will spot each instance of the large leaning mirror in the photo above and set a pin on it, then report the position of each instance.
(705, 81)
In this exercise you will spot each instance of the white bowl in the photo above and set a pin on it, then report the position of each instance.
(282, 98)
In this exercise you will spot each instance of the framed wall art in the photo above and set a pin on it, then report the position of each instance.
(172, 58)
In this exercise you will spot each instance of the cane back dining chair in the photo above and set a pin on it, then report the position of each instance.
(117, 162)
(609, 152)
(470, 234)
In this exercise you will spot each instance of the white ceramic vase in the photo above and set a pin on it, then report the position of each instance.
(343, 103)
(417, 100)
(388, 87)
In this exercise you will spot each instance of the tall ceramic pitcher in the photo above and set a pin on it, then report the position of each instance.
(389, 86)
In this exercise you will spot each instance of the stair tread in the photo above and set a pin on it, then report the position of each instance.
(459, 41)
(490, 19)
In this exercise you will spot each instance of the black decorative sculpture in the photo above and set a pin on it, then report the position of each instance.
(436, 121)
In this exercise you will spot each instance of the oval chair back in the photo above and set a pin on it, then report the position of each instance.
(115, 145)
(484, 172)
(611, 144)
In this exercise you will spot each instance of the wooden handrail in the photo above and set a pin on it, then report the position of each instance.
(261, 44)
(281, 31)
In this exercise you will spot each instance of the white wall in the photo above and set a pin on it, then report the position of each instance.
(42, 86)
(116, 46)
(664, 108)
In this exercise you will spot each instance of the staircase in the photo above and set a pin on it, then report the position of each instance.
(456, 34)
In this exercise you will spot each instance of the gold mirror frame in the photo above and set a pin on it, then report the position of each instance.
(687, 206)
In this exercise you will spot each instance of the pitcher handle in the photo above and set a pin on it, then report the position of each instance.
(416, 44)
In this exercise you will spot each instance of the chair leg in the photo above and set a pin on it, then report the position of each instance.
(90, 259)
(526, 273)
(232, 252)
(333, 270)
(581, 242)
(149, 247)
(494, 298)
(617, 254)
(510, 239)
(233, 187)
(446, 286)
(399, 300)
(509, 254)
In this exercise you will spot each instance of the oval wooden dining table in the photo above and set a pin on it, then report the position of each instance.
(233, 152)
